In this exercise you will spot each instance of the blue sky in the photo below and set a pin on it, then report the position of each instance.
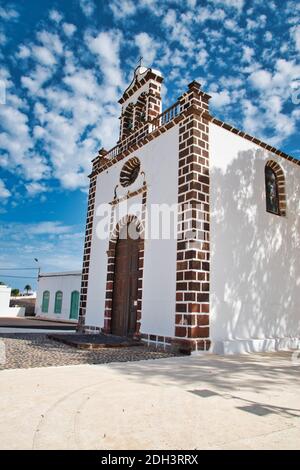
(64, 64)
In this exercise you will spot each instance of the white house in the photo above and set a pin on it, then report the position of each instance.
(5, 309)
(229, 280)
(58, 295)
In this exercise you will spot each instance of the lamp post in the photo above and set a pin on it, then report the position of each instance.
(39, 268)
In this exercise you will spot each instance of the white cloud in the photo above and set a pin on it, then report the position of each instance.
(51, 41)
(261, 79)
(23, 52)
(43, 55)
(296, 36)
(3, 38)
(48, 228)
(8, 13)
(34, 188)
(35, 81)
(4, 192)
(248, 53)
(17, 143)
(238, 4)
(55, 16)
(147, 46)
(87, 6)
(201, 57)
(69, 29)
(220, 99)
(122, 8)
(268, 36)
(106, 45)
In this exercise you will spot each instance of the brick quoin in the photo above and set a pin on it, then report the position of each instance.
(193, 245)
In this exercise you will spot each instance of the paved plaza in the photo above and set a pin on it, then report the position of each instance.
(197, 402)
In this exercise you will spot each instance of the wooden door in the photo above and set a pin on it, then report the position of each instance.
(125, 287)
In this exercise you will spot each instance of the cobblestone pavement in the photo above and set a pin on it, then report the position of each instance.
(23, 351)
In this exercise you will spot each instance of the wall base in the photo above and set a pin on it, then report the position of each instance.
(244, 346)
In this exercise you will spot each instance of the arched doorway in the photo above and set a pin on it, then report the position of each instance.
(125, 290)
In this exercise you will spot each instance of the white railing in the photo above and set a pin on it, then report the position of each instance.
(167, 116)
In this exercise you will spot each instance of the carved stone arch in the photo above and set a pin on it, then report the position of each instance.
(127, 220)
(279, 185)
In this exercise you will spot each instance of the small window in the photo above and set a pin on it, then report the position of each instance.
(275, 189)
(272, 199)
(58, 302)
(45, 302)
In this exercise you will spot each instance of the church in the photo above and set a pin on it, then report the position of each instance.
(193, 230)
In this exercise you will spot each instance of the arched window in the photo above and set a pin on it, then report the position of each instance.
(45, 302)
(58, 301)
(74, 305)
(275, 189)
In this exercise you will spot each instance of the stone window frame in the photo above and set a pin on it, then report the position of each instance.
(280, 183)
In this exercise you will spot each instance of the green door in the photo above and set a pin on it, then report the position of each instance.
(45, 302)
(74, 305)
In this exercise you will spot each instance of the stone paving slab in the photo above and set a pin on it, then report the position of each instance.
(26, 350)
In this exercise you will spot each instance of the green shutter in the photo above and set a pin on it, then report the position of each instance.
(58, 302)
(45, 303)
(74, 305)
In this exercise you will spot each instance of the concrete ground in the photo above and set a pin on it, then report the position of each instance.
(198, 402)
(37, 323)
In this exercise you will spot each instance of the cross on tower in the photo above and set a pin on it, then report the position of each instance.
(140, 61)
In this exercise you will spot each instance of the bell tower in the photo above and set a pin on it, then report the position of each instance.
(141, 101)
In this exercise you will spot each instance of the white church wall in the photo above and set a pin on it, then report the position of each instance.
(66, 282)
(255, 268)
(159, 161)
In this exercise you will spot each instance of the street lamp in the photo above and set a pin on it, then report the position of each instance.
(39, 268)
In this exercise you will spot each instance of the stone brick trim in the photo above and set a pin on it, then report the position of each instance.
(87, 252)
(193, 245)
(133, 87)
(280, 181)
(89, 329)
(111, 259)
(168, 342)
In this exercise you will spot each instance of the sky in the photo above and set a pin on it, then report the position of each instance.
(63, 67)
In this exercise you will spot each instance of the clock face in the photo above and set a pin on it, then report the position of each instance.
(130, 172)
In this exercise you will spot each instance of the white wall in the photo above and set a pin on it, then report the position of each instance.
(159, 161)
(255, 267)
(5, 309)
(4, 300)
(67, 283)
